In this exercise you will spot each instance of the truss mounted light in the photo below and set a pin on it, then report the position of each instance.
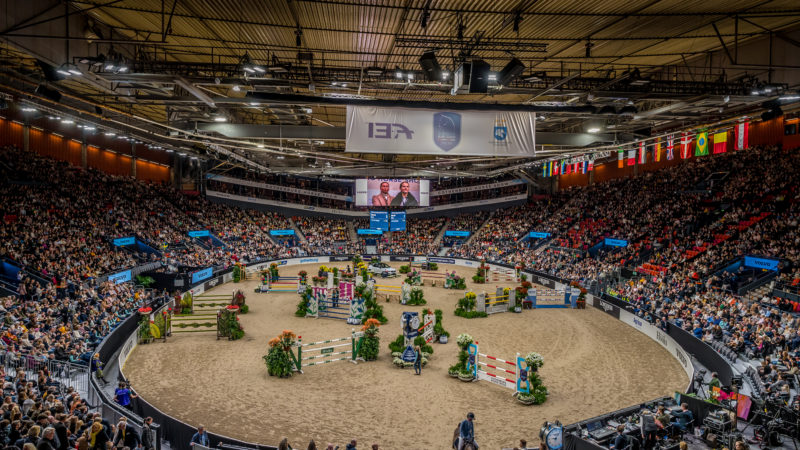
(68, 69)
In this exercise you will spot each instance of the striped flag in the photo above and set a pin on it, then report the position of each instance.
(563, 167)
(657, 150)
(545, 170)
(620, 159)
(584, 167)
(632, 157)
(642, 152)
(590, 166)
(670, 148)
(721, 142)
(741, 135)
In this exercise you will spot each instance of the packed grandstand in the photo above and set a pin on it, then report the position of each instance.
(59, 224)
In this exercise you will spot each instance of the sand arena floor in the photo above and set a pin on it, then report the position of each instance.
(593, 364)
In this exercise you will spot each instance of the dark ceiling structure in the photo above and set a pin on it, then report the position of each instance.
(265, 83)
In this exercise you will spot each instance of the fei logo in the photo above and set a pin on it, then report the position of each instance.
(500, 130)
(380, 130)
(446, 130)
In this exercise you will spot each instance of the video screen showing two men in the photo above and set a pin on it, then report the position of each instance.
(392, 193)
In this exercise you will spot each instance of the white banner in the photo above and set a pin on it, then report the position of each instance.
(275, 187)
(434, 132)
(479, 187)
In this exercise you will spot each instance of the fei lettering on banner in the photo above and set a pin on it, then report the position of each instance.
(433, 132)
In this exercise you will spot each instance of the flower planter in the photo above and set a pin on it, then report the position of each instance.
(443, 339)
(465, 378)
(517, 309)
(526, 401)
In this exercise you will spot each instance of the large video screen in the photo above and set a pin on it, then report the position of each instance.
(392, 193)
(379, 220)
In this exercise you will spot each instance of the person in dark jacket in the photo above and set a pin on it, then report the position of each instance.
(48, 440)
(621, 441)
(647, 423)
(148, 436)
(126, 437)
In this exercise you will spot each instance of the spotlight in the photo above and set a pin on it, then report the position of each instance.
(511, 71)
(64, 70)
(67, 121)
(593, 130)
(28, 109)
(445, 75)
(492, 77)
(410, 76)
(109, 134)
(220, 119)
(430, 66)
(374, 71)
(398, 72)
(236, 88)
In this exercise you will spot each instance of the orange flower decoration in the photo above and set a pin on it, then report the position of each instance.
(273, 342)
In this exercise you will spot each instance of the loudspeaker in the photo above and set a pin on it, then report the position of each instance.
(511, 71)
(430, 66)
(479, 77)
(48, 93)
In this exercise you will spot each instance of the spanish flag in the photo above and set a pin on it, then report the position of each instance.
(720, 142)
(701, 148)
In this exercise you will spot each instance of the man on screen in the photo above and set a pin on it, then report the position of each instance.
(382, 199)
(405, 198)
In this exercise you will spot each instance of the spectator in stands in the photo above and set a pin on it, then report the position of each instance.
(148, 434)
(126, 437)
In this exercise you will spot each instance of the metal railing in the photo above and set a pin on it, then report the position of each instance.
(63, 374)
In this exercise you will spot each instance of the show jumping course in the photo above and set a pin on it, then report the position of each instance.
(491, 304)
(327, 353)
(520, 383)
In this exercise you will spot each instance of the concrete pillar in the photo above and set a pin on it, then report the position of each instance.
(133, 159)
(84, 156)
(26, 137)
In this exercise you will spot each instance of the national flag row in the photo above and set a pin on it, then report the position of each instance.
(639, 153)
(564, 167)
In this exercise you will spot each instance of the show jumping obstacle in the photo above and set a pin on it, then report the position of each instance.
(285, 284)
(386, 292)
(434, 277)
(518, 383)
(327, 353)
(336, 304)
(491, 304)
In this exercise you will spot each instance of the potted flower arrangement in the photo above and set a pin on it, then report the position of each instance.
(144, 332)
(538, 392)
(273, 271)
(459, 370)
(371, 345)
(279, 359)
(303, 276)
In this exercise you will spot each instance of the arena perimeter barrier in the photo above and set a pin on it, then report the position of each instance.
(178, 433)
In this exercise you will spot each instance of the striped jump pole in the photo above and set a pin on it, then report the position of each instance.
(327, 353)
(518, 383)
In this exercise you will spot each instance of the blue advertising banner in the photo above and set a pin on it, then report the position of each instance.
(453, 233)
(615, 242)
(368, 231)
(398, 221)
(539, 235)
(202, 274)
(199, 233)
(757, 262)
(120, 277)
(281, 232)
(379, 220)
(119, 242)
